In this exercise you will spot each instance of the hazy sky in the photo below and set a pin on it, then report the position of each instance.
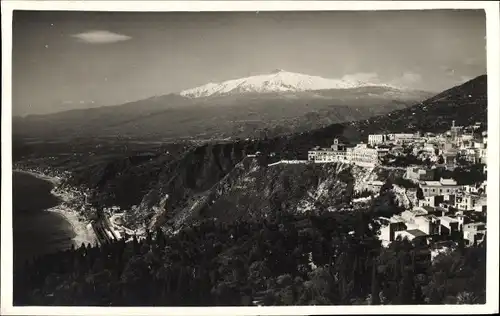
(67, 60)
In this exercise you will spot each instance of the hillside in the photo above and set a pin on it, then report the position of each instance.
(270, 105)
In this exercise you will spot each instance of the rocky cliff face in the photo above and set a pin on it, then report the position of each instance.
(211, 182)
(186, 180)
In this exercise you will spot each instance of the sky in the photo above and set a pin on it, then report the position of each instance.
(68, 60)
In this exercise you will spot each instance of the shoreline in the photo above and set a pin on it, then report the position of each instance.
(79, 224)
(54, 180)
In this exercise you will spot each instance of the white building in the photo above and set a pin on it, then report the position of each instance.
(419, 174)
(376, 139)
(336, 153)
(365, 156)
(402, 138)
(449, 225)
(469, 201)
(474, 232)
(442, 187)
(390, 227)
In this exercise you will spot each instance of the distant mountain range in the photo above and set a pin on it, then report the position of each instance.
(277, 81)
(267, 105)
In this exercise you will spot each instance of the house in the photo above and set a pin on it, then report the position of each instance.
(449, 225)
(431, 201)
(476, 189)
(428, 224)
(472, 155)
(375, 186)
(419, 174)
(422, 219)
(441, 187)
(468, 201)
(474, 232)
(449, 156)
(391, 227)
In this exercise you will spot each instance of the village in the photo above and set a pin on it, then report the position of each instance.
(443, 210)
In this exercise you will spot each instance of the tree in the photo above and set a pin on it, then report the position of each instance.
(420, 194)
(375, 291)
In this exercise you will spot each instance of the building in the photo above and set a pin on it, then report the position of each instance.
(474, 232)
(365, 156)
(441, 187)
(431, 201)
(336, 153)
(390, 227)
(429, 224)
(450, 156)
(449, 225)
(472, 155)
(419, 174)
(376, 139)
(477, 189)
(402, 138)
(375, 186)
(421, 219)
(455, 131)
(469, 201)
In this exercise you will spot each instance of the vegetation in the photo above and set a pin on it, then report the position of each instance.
(334, 258)
(470, 174)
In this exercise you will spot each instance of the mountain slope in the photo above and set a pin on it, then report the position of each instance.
(217, 117)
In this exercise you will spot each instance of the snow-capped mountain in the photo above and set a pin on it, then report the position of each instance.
(277, 81)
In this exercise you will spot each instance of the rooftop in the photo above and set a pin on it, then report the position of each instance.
(416, 232)
(429, 208)
(448, 219)
(431, 183)
(448, 181)
(396, 219)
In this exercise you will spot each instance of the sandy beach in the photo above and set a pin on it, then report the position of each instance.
(78, 223)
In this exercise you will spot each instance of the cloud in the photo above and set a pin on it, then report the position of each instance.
(362, 76)
(100, 37)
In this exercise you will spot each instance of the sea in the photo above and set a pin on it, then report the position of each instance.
(36, 230)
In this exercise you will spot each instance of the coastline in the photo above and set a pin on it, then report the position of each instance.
(56, 181)
(66, 208)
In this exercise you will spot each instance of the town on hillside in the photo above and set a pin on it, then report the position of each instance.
(446, 194)
(448, 205)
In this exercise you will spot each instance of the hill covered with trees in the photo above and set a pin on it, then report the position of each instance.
(328, 259)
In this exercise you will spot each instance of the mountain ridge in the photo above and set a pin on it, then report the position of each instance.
(278, 80)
